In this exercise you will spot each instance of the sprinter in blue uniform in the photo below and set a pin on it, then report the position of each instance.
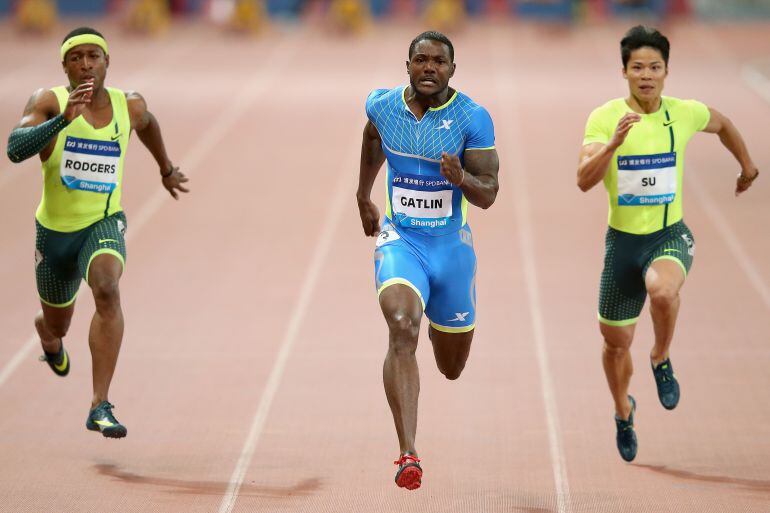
(440, 151)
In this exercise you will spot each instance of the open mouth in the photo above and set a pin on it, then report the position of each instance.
(427, 81)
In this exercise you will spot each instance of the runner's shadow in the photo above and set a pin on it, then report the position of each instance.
(754, 485)
(178, 486)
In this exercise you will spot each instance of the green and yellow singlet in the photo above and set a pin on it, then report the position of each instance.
(644, 181)
(82, 179)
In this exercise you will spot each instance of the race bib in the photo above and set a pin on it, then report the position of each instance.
(420, 201)
(647, 179)
(89, 165)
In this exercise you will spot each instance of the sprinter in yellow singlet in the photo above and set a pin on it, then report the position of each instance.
(636, 146)
(81, 134)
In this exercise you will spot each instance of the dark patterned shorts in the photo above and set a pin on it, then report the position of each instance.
(62, 259)
(627, 257)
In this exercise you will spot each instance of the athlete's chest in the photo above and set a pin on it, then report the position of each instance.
(90, 158)
(436, 132)
(655, 134)
(646, 164)
(99, 118)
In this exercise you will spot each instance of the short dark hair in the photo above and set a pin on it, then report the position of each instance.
(432, 35)
(641, 36)
(80, 31)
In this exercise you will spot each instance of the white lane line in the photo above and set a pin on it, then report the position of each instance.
(18, 357)
(320, 254)
(238, 105)
(756, 81)
(526, 241)
(515, 169)
(718, 219)
(760, 83)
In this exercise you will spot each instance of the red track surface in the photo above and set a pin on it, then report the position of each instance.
(254, 342)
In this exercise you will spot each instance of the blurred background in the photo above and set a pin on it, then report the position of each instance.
(253, 16)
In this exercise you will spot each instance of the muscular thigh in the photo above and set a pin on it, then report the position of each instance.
(678, 246)
(105, 237)
(622, 292)
(452, 270)
(56, 265)
(628, 258)
(451, 342)
(397, 262)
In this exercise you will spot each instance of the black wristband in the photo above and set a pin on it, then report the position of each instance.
(170, 172)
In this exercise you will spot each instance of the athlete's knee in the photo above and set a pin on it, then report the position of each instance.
(617, 342)
(106, 293)
(453, 372)
(616, 350)
(59, 330)
(451, 351)
(663, 297)
(404, 330)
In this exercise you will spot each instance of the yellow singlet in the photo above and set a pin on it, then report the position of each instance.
(644, 181)
(82, 179)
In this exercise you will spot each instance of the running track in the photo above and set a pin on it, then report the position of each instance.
(250, 375)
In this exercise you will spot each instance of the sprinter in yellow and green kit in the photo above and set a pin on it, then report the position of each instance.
(636, 146)
(81, 133)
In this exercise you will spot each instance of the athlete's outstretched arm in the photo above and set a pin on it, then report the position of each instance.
(148, 130)
(478, 180)
(595, 157)
(372, 158)
(731, 139)
(42, 122)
